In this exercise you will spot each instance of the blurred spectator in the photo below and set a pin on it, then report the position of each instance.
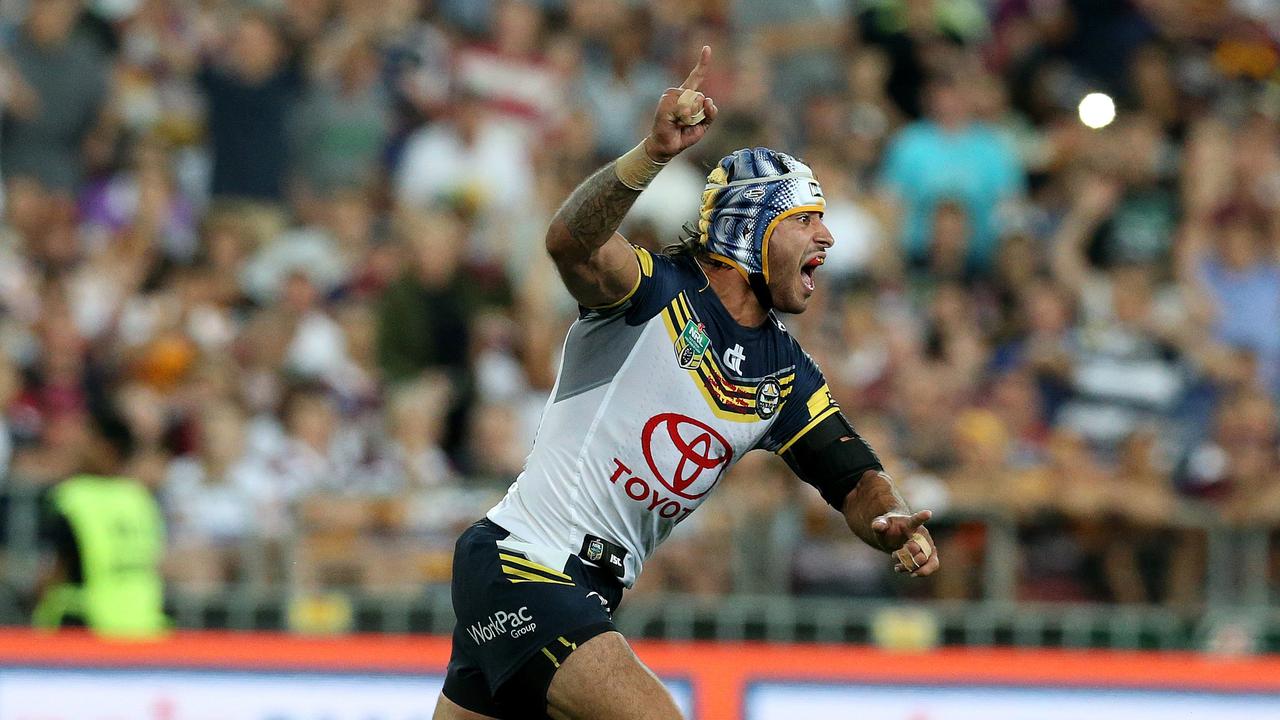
(143, 201)
(55, 399)
(1239, 281)
(949, 156)
(1140, 227)
(921, 414)
(1237, 464)
(619, 92)
(144, 413)
(312, 342)
(1042, 342)
(310, 252)
(340, 358)
(1103, 36)
(251, 84)
(509, 71)
(1153, 556)
(873, 116)
(17, 99)
(410, 340)
(1062, 505)
(978, 485)
(415, 59)
(158, 44)
(862, 376)
(1015, 400)
(339, 128)
(496, 451)
(317, 454)
(1125, 362)
(357, 378)
(415, 418)
(1229, 258)
(473, 165)
(209, 502)
(772, 27)
(66, 71)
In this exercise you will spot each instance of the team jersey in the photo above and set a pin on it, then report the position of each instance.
(657, 396)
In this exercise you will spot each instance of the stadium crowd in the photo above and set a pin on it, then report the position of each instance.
(295, 246)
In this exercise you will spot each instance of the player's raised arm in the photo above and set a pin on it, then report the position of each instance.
(597, 265)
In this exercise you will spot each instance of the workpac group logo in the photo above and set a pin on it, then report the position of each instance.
(685, 455)
(501, 623)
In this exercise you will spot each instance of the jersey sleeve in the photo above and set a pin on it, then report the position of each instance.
(808, 404)
(661, 278)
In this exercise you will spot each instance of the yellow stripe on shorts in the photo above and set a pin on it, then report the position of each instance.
(530, 577)
(532, 565)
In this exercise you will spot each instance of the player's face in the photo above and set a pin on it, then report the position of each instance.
(797, 247)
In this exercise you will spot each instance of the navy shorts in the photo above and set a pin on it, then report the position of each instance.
(522, 609)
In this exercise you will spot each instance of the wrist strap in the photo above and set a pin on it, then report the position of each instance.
(636, 169)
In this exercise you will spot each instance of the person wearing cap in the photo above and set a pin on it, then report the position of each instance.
(677, 365)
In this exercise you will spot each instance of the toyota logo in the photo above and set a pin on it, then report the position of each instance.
(680, 450)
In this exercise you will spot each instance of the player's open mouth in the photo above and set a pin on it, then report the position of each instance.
(807, 270)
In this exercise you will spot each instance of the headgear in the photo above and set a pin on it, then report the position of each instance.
(746, 196)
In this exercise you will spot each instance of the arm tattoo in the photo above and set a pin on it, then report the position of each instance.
(595, 208)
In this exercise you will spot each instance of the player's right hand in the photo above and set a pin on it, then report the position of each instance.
(911, 545)
(671, 134)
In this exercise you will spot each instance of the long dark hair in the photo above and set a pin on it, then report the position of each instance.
(687, 244)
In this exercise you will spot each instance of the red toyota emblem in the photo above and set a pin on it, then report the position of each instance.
(685, 448)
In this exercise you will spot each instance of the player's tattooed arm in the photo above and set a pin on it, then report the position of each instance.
(597, 265)
(591, 215)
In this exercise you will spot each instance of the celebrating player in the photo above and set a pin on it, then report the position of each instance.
(676, 366)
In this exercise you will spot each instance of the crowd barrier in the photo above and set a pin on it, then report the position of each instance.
(1240, 601)
(264, 676)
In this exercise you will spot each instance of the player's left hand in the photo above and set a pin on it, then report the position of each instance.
(909, 541)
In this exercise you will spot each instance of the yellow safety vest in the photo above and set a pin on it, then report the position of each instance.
(120, 533)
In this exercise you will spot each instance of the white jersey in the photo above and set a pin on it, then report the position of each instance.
(656, 398)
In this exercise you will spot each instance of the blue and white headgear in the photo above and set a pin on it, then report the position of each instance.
(746, 196)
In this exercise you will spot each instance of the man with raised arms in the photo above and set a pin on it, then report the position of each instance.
(676, 366)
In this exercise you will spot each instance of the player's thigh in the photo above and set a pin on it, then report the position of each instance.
(447, 709)
(604, 680)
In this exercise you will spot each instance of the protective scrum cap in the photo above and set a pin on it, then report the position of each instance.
(746, 196)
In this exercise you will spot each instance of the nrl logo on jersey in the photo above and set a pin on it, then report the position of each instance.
(692, 345)
(595, 550)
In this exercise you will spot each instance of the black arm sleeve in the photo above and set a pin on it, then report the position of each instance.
(832, 458)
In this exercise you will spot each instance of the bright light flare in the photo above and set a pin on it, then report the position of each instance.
(1097, 110)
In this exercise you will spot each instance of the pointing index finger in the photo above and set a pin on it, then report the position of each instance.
(920, 518)
(699, 72)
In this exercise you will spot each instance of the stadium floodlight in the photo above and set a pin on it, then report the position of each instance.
(1097, 110)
